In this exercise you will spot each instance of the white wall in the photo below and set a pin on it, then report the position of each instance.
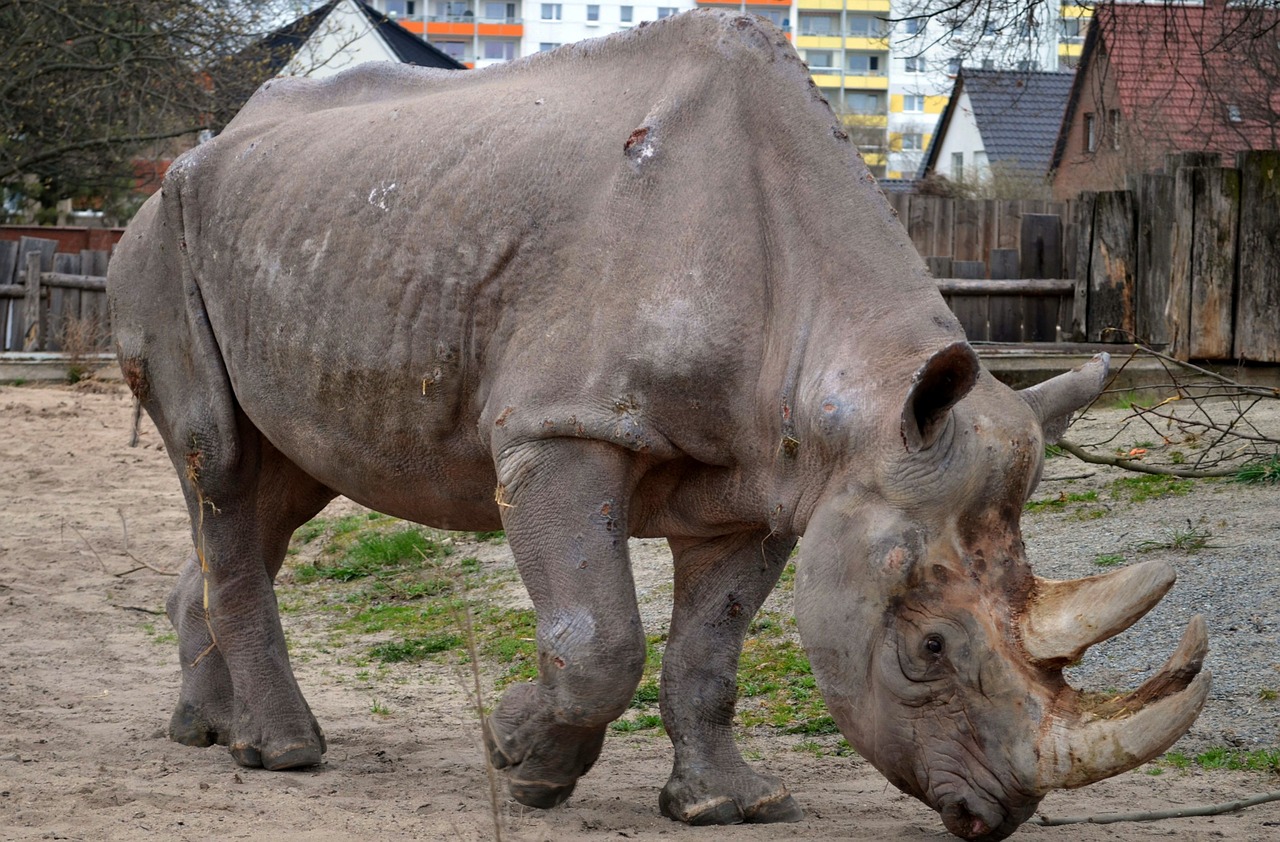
(962, 136)
(344, 39)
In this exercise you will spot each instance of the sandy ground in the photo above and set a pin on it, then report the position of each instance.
(86, 689)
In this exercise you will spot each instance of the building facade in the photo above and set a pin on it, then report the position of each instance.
(885, 66)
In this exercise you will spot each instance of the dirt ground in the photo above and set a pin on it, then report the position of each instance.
(88, 678)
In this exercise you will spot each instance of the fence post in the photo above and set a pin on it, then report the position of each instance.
(1213, 262)
(1258, 293)
(31, 309)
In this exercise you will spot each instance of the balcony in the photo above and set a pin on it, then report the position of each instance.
(831, 78)
(841, 5)
(865, 121)
(466, 24)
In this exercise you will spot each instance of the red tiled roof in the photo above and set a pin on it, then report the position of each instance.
(1205, 77)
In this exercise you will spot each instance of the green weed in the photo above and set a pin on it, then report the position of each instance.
(379, 709)
(1060, 503)
(1261, 472)
(1189, 540)
(1109, 560)
(373, 553)
(639, 722)
(1144, 487)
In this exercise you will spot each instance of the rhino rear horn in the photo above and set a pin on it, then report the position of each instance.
(1055, 399)
(938, 385)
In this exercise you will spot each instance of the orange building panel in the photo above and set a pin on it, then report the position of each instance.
(446, 28)
(509, 30)
(417, 27)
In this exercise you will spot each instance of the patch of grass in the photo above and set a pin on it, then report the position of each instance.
(1060, 503)
(1221, 757)
(1109, 560)
(1267, 694)
(1263, 472)
(646, 694)
(374, 552)
(379, 709)
(1052, 451)
(497, 536)
(639, 722)
(776, 687)
(1144, 487)
(398, 651)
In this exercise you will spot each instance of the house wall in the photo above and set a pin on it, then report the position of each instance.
(345, 38)
(963, 137)
(1133, 149)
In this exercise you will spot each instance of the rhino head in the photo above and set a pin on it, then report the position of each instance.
(939, 652)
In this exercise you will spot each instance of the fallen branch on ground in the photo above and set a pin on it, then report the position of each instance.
(1158, 815)
(1142, 467)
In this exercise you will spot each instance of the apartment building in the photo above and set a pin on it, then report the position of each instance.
(884, 65)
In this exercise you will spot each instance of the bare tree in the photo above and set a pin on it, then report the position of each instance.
(89, 87)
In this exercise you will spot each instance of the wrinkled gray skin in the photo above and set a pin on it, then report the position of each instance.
(640, 286)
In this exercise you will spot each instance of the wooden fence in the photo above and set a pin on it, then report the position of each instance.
(51, 301)
(1187, 259)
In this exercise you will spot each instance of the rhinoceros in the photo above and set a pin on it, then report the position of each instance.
(638, 286)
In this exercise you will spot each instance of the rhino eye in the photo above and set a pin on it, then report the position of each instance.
(933, 644)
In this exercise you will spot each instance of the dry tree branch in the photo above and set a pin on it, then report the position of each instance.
(1157, 815)
(1142, 467)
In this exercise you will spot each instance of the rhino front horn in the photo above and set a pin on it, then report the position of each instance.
(1121, 734)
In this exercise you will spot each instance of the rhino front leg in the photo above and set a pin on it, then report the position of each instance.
(566, 521)
(720, 584)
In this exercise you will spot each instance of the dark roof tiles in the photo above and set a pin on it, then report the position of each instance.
(1018, 113)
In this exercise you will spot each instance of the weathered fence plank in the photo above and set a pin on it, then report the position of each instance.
(1111, 268)
(32, 305)
(18, 322)
(1004, 264)
(939, 267)
(1213, 262)
(920, 224)
(967, 230)
(1040, 250)
(944, 228)
(1177, 313)
(1085, 204)
(1155, 255)
(1258, 293)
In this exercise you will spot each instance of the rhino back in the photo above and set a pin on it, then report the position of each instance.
(607, 241)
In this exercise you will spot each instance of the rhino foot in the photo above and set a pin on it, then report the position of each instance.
(283, 745)
(191, 725)
(759, 799)
(543, 758)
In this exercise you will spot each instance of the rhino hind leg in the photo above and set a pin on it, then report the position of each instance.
(238, 688)
(566, 523)
(720, 584)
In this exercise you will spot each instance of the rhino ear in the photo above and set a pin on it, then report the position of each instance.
(1055, 399)
(939, 384)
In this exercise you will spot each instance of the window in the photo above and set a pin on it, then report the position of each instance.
(957, 166)
(626, 13)
(1028, 65)
(1072, 30)
(666, 11)
(552, 11)
(863, 64)
(400, 8)
(499, 50)
(1114, 126)
(980, 163)
(865, 26)
(777, 18)
(455, 50)
(913, 103)
(500, 11)
(912, 142)
(913, 26)
(953, 66)
(820, 59)
(860, 103)
(1233, 114)
(818, 24)
(593, 14)
(454, 11)
(915, 64)
(1090, 134)
(546, 45)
